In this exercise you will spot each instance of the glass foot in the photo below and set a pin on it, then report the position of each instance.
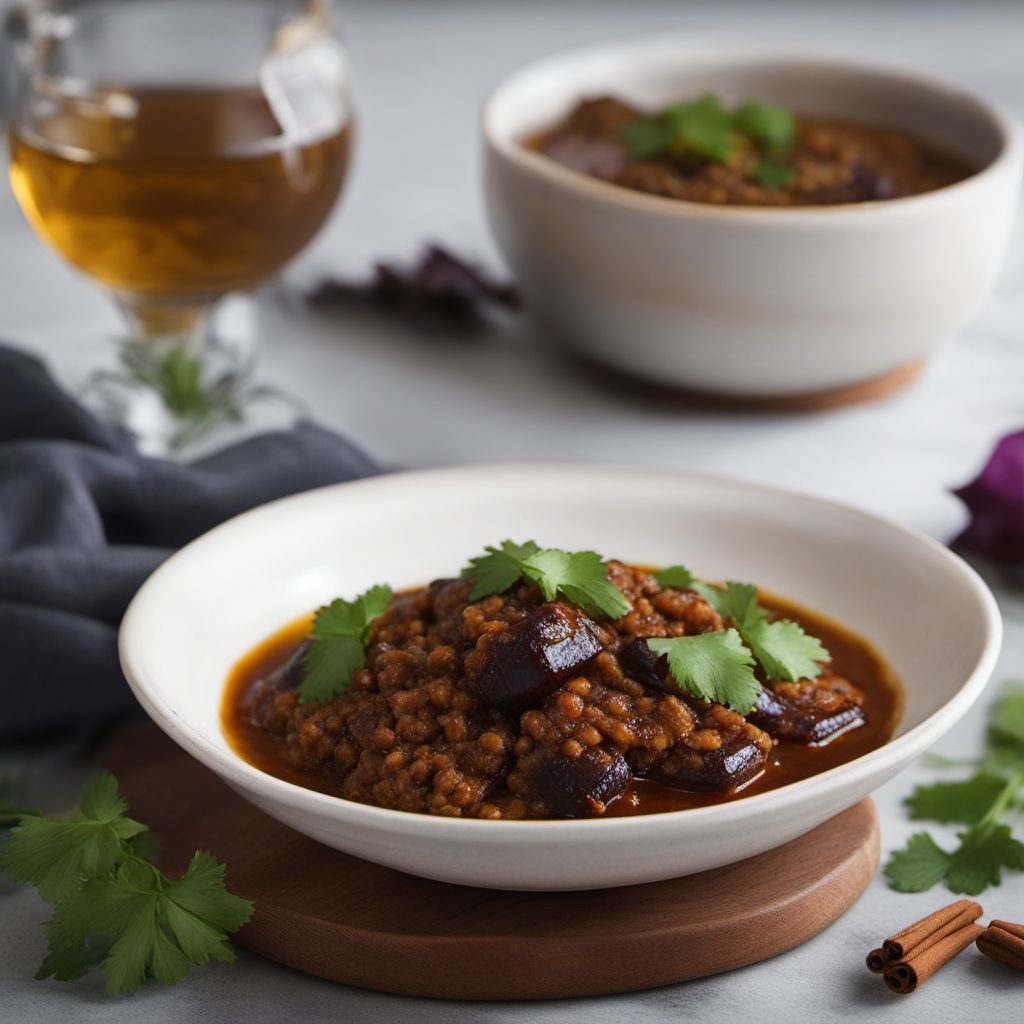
(182, 400)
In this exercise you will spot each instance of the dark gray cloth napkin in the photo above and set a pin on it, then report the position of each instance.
(84, 520)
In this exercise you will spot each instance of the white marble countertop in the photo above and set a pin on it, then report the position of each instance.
(421, 72)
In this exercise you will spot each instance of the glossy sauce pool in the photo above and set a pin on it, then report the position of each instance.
(852, 657)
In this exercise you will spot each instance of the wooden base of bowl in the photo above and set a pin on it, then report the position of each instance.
(871, 390)
(347, 920)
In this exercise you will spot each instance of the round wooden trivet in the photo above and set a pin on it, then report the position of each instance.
(332, 915)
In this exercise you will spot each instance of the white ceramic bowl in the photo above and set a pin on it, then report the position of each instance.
(218, 597)
(749, 302)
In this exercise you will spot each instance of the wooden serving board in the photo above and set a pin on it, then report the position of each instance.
(345, 919)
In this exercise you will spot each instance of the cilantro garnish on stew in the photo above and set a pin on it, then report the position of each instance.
(341, 630)
(112, 907)
(581, 577)
(706, 129)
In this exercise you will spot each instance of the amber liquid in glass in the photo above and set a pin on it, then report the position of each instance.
(180, 193)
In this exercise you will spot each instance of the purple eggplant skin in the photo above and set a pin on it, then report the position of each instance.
(578, 787)
(532, 658)
(782, 719)
(643, 666)
(736, 762)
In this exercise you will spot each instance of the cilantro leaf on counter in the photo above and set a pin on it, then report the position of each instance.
(713, 666)
(113, 909)
(340, 632)
(581, 577)
(53, 856)
(982, 801)
(961, 803)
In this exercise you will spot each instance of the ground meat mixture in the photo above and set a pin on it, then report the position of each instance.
(513, 707)
(832, 162)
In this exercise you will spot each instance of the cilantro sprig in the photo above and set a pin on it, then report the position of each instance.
(706, 129)
(112, 907)
(981, 802)
(581, 577)
(780, 646)
(341, 630)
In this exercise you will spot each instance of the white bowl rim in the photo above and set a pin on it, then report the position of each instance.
(238, 772)
(1010, 152)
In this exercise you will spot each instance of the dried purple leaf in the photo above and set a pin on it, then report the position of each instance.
(439, 292)
(995, 500)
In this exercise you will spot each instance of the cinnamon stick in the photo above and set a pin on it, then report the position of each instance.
(1003, 942)
(917, 937)
(904, 976)
(876, 961)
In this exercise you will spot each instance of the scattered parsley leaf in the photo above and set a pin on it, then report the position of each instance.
(921, 864)
(498, 568)
(978, 862)
(113, 909)
(712, 666)
(961, 803)
(1006, 722)
(771, 174)
(579, 576)
(340, 632)
(784, 650)
(676, 576)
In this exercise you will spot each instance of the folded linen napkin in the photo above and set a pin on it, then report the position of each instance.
(84, 519)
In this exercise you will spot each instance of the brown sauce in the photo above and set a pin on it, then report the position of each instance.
(852, 657)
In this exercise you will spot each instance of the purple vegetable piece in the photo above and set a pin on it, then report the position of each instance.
(995, 500)
(288, 676)
(576, 787)
(529, 660)
(642, 665)
(737, 761)
(784, 719)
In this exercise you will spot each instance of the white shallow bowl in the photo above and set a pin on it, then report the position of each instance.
(214, 600)
(750, 302)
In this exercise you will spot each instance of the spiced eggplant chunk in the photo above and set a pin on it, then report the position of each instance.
(527, 688)
(577, 787)
(524, 663)
(809, 710)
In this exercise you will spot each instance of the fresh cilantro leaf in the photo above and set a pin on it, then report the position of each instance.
(1006, 723)
(978, 862)
(918, 866)
(735, 601)
(340, 633)
(712, 666)
(781, 647)
(113, 908)
(54, 856)
(139, 924)
(960, 802)
(985, 848)
(496, 571)
(581, 576)
(773, 127)
(771, 174)
(784, 650)
(646, 137)
(676, 576)
(702, 126)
